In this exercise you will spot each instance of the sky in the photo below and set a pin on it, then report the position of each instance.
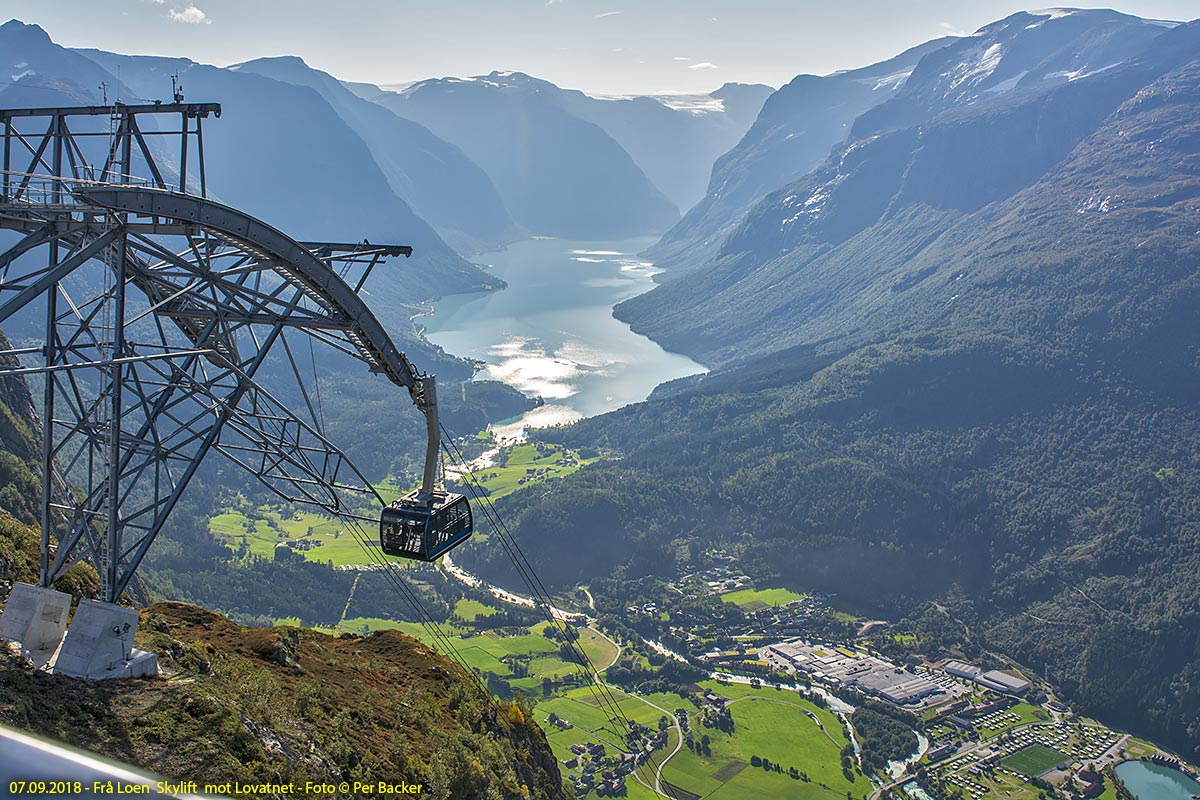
(605, 47)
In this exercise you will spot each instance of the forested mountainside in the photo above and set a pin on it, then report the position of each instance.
(962, 363)
(559, 175)
(20, 449)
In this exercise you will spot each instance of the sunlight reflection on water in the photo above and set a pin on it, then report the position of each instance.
(551, 333)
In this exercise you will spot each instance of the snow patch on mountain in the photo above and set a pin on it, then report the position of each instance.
(974, 72)
(691, 103)
(893, 81)
(812, 206)
(1006, 85)
(1074, 75)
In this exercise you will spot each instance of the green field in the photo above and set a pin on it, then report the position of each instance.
(471, 610)
(1034, 760)
(771, 724)
(599, 650)
(362, 625)
(489, 651)
(754, 599)
(1003, 785)
(332, 541)
(515, 474)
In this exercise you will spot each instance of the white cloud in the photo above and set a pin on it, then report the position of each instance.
(190, 15)
(951, 29)
(606, 14)
(703, 65)
(682, 58)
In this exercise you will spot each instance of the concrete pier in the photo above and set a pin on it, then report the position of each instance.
(99, 644)
(35, 618)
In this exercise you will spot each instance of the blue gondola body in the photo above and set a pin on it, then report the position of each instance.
(424, 530)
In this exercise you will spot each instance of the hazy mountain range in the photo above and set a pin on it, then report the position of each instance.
(451, 166)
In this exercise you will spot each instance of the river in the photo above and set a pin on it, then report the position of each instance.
(1155, 782)
(551, 332)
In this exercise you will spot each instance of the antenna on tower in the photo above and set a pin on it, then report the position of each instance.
(176, 88)
(103, 93)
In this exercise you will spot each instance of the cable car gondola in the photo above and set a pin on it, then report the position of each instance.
(424, 530)
(427, 523)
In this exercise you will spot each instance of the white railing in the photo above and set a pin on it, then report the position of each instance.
(37, 189)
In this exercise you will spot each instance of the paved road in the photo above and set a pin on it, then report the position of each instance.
(505, 596)
(678, 739)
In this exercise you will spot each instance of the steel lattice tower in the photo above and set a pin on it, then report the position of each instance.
(155, 309)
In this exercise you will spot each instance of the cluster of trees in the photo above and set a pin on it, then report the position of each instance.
(673, 676)
(882, 736)
(767, 765)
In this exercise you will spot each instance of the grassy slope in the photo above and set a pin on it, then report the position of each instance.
(288, 704)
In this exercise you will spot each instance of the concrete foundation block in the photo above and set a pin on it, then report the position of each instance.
(99, 644)
(36, 617)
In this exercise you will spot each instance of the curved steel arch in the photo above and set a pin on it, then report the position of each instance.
(287, 256)
(173, 302)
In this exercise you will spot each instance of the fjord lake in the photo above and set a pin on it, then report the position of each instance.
(1156, 782)
(551, 332)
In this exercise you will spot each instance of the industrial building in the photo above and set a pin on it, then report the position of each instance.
(1003, 682)
(960, 669)
(869, 674)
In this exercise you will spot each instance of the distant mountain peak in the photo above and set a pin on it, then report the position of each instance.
(27, 28)
(733, 86)
(496, 79)
(293, 61)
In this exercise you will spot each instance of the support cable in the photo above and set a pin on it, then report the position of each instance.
(601, 690)
(534, 584)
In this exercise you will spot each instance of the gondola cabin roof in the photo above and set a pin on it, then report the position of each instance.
(425, 530)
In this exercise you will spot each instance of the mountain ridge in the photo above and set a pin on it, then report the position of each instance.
(890, 195)
(558, 174)
(449, 190)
